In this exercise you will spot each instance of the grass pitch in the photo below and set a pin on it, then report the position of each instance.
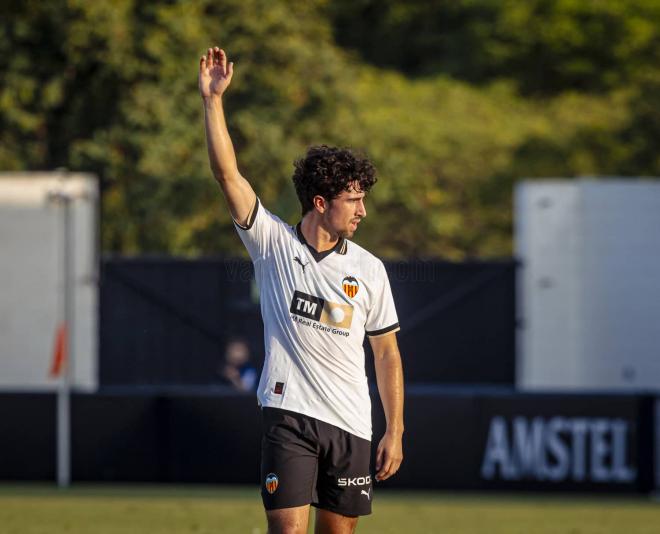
(94, 509)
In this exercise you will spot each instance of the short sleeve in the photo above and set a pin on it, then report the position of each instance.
(259, 230)
(381, 316)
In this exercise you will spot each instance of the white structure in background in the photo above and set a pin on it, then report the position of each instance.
(32, 282)
(588, 284)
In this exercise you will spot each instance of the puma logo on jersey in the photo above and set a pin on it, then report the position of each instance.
(366, 493)
(299, 261)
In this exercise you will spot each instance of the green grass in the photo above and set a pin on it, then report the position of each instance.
(95, 509)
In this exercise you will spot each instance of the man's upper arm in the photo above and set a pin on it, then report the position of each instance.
(241, 198)
(384, 345)
(381, 317)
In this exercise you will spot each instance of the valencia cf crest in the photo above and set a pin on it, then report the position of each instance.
(271, 483)
(350, 286)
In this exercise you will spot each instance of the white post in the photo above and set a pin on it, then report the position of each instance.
(63, 199)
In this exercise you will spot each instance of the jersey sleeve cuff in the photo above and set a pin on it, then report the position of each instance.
(251, 217)
(388, 330)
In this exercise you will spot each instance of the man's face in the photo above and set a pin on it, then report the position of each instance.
(345, 212)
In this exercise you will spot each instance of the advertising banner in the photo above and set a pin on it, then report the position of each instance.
(526, 442)
(567, 442)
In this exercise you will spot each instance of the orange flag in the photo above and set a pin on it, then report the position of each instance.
(60, 351)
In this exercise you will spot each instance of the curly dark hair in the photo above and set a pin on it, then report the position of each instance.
(327, 171)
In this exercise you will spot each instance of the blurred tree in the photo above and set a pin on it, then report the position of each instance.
(545, 46)
(111, 88)
(510, 90)
(448, 155)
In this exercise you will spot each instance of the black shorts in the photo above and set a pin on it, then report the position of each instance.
(307, 461)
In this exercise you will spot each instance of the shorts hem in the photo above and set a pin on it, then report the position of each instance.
(285, 506)
(339, 510)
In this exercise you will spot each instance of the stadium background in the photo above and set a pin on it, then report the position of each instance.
(456, 102)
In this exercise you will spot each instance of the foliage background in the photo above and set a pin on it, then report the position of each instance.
(453, 100)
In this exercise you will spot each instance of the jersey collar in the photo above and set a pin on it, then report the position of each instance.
(339, 248)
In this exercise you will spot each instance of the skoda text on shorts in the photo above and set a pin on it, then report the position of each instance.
(320, 295)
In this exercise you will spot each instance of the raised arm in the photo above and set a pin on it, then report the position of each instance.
(214, 77)
(389, 375)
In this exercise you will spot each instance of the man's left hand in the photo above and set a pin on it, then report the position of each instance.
(389, 455)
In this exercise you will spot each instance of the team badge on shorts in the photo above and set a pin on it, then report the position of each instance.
(271, 483)
(350, 286)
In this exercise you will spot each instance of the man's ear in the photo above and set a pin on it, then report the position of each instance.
(320, 204)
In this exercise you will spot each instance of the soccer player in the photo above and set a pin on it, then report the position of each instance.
(320, 295)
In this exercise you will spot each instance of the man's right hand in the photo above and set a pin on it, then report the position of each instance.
(214, 73)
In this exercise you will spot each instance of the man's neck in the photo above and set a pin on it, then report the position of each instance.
(318, 237)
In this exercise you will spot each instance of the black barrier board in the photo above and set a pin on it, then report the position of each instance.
(120, 438)
(453, 440)
(27, 436)
(215, 439)
(167, 321)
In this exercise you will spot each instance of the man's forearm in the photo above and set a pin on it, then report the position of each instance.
(214, 77)
(389, 376)
(220, 148)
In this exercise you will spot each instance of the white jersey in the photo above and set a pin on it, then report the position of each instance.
(317, 308)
